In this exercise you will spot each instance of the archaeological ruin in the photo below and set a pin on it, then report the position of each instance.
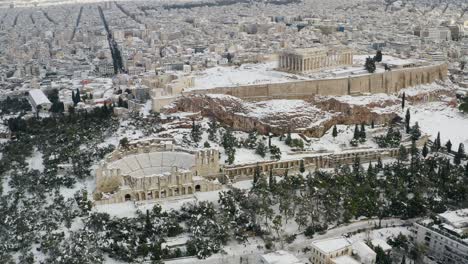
(154, 169)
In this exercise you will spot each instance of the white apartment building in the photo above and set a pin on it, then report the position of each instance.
(446, 238)
(341, 251)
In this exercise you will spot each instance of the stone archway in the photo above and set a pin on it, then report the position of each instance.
(163, 194)
(128, 197)
(197, 188)
(189, 190)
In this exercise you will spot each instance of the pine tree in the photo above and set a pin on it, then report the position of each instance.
(407, 120)
(379, 163)
(362, 133)
(334, 132)
(372, 124)
(148, 226)
(370, 65)
(271, 180)
(261, 149)
(378, 56)
(256, 175)
(206, 144)
(460, 154)
(251, 141)
(416, 132)
(196, 131)
(448, 145)
(212, 129)
(357, 134)
(301, 166)
(402, 153)
(275, 152)
(425, 151)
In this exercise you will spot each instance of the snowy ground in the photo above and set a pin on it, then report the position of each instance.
(246, 74)
(35, 162)
(263, 73)
(438, 117)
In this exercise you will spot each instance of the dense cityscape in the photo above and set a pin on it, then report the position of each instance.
(234, 131)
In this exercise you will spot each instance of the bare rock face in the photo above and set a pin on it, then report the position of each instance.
(312, 118)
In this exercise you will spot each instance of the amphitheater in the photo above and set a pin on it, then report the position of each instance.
(155, 169)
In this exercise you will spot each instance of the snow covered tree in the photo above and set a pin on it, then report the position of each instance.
(402, 153)
(370, 65)
(416, 132)
(251, 141)
(256, 175)
(212, 130)
(196, 132)
(229, 143)
(275, 152)
(261, 149)
(81, 198)
(378, 56)
(206, 144)
(231, 155)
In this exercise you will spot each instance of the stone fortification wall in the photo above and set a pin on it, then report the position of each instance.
(385, 82)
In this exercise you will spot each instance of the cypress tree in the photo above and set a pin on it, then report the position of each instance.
(460, 154)
(256, 175)
(448, 145)
(372, 124)
(362, 133)
(437, 141)
(403, 101)
(334, 132)
(301, 166)
(356, 132)
(271, 180)
(407, 121)
(425, 151)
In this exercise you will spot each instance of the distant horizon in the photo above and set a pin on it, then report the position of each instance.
(39, 3)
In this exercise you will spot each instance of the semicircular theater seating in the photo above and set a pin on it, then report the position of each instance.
(155, 163)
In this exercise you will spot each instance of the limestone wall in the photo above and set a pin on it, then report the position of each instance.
(386, 82)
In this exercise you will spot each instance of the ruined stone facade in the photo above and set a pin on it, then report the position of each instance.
(155, 169)
(314, 59)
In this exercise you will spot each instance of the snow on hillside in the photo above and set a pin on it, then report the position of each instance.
(439, 117)
(431, 87)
